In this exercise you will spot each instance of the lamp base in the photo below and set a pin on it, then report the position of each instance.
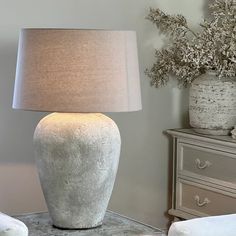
(77, 156)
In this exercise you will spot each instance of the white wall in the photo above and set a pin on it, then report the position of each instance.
(141, 189)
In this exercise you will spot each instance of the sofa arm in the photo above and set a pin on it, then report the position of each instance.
(12, 227)
(224, 225)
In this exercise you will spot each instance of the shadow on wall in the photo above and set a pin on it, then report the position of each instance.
(15, 141)
(163, 108)
(206, 7)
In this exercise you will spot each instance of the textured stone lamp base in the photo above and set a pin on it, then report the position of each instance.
(77, 156)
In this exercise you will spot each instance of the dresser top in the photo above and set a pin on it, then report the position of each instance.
(190, 133)
(113, 225)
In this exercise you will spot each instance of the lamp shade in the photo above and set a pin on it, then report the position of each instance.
(73, 70)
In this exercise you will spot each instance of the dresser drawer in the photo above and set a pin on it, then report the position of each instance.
(201, 200)
(206, 163)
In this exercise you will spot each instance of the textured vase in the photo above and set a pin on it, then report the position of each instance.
(77, 156)
(212, 104)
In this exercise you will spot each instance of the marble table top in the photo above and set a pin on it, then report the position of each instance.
(40, 224)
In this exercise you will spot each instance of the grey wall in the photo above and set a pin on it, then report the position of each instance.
(141, 189)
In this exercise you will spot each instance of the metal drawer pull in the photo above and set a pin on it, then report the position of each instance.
(201, 165)
(199, 203)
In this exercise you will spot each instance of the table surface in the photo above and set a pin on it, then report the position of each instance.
(223, 138)
(114, 224)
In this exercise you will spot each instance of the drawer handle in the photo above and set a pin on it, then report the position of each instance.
(203, 203)
(201, 165)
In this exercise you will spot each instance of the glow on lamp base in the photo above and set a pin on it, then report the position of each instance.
(77, 156)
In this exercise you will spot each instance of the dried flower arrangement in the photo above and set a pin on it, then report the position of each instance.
(190, 54)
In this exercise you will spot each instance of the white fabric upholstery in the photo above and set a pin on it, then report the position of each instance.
(224, 225)
(12, 227)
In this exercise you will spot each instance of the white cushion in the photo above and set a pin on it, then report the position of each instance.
(224, 225)
(12, 227)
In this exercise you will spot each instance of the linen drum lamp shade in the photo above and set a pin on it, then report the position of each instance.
(71, 70)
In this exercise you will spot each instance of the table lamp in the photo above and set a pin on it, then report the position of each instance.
(77, 73)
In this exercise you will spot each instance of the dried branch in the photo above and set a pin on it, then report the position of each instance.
(191, 54)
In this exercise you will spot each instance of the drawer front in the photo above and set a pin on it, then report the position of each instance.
(200, 200)
(206, 162)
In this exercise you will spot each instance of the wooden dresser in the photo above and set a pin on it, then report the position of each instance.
(204, 174)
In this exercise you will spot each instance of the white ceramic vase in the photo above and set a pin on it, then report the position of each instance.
(212, 104)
